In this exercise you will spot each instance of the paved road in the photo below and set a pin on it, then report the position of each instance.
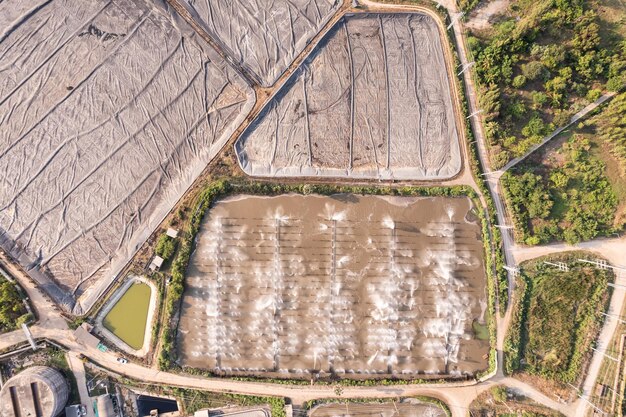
(78, 368)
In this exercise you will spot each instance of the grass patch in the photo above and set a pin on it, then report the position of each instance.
(500, 401)
(557, 318)
(481, 331)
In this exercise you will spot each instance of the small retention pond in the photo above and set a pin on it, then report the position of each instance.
(128, 317)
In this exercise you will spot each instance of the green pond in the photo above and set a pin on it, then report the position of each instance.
(127, 319)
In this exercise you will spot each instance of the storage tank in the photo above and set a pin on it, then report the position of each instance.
(39, 391)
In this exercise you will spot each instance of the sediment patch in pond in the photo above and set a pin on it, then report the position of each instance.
(406, 408)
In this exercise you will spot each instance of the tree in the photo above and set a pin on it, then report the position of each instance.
(553, 56)
(539, 99)
(534, 127)
(559, 179)
(586, 33)
(490, 102)
(166, 246)
(516, 108)
(533, 70)
(519, 81)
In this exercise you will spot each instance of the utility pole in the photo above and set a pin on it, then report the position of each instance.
(455, 18)
(586, 400)
(616, 316)
(605, 354)
(475, 113)
(29, 336)
(465, 67)
(512, 269)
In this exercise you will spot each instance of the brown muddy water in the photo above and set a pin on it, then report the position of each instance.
(407, 408)
(346, 284)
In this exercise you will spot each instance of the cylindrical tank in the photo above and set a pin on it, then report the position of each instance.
(39, 391)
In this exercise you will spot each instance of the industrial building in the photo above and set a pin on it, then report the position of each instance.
(38, 391)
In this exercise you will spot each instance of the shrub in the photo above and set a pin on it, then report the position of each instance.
(11, 306)
(539, 99)
(499, 393)
(562, 118)
(23, 319)
(534, 70)
(593, 94)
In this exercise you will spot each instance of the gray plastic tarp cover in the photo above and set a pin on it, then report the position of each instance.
(108, 112)
(263, 36)
(372, 101)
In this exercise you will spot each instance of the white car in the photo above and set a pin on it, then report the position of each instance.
(122, 360)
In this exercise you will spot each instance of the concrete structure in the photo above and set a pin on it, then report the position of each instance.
(156, 264)
(73, 411)
(173, 233)
(38, 391)
(83, 335)
(104, 406)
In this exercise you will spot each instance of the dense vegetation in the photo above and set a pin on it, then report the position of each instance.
(557, 317)
(12, 310)
(540, 64)
(571, 200)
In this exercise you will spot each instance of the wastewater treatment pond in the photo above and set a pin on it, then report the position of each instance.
(406, 408)
(128, 317)
(346, 284)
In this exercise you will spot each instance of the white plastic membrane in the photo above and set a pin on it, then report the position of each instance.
(108, 112)
(263, 36)
(373, 100)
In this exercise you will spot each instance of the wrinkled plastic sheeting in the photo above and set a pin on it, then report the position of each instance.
(108, 112)
(372, 101)
(263, 36)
